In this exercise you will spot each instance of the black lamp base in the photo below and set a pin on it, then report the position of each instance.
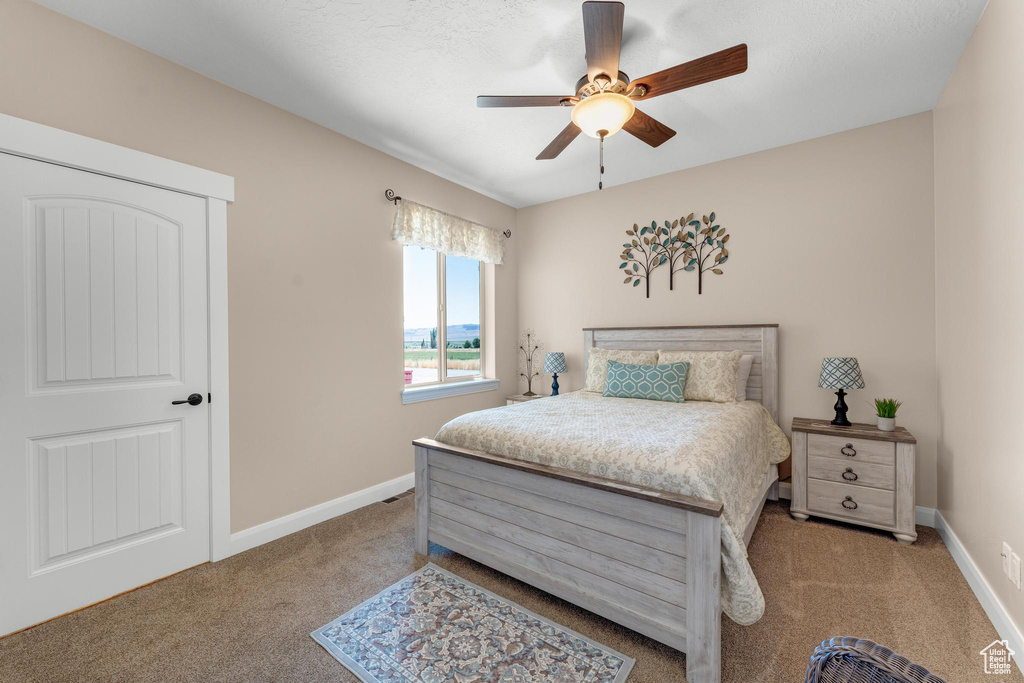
(554, 384)
(840, 408)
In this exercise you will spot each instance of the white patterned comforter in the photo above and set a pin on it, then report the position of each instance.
(716, 451)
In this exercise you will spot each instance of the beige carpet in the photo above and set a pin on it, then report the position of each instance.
(248, 618)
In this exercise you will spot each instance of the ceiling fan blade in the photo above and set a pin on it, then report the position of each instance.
(651, 131)
(602, 30)
(722, 64)
(560, 142)
(521, 100)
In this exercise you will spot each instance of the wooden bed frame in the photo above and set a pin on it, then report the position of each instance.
(649, 560)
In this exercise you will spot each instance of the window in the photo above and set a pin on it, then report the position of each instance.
(444, 343)
(442, 313)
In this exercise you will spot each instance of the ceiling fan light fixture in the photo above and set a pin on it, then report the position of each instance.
(603, 103)
(606, 111)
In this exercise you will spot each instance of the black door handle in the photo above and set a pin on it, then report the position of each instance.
(192, 400)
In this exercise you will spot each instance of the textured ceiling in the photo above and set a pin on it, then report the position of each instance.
(402, 75)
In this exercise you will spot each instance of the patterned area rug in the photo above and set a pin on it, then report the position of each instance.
(433, 627)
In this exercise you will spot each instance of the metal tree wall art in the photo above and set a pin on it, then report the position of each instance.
(528, 349)
(691, 248)
(706, 248)
(678, 248)
(643, 253)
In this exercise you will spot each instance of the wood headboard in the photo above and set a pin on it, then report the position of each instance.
(762, 341)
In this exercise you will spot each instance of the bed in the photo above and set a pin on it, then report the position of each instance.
(614, 537)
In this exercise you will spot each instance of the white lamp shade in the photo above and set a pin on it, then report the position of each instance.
(607, 111)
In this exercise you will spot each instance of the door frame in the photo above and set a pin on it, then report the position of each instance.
(52, 145)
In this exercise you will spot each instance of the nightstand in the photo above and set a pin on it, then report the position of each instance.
(855, 474)
(520, 398)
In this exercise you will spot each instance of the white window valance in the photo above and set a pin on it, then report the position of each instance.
(429, 228)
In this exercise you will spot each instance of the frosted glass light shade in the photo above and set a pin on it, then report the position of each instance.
(606, 111)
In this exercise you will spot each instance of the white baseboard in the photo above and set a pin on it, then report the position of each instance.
(925, 516)
(289, 524)
(995, 609)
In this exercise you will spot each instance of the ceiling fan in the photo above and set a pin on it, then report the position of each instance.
(604, 100)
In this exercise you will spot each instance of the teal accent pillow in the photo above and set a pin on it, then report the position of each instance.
(652, 382)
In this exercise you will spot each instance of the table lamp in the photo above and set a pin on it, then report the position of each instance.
(554, 362)
(840, 373)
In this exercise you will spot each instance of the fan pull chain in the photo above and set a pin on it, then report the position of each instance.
(600, 177)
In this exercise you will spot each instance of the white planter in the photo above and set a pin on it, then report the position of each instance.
(887, 424)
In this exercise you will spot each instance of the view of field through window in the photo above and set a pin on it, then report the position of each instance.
(462, 302)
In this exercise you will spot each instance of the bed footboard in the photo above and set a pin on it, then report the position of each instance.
(646, 559)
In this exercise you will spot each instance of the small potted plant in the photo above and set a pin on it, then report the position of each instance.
(886, 409)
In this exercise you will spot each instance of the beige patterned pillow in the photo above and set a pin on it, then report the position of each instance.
(597, 364)
(712, 375)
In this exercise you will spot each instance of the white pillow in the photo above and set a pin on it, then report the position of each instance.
(712, 375)
(746, 362)
(597, 364)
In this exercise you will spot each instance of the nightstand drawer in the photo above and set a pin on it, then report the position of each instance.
(852, 449)
(856, 503)
(850, 471)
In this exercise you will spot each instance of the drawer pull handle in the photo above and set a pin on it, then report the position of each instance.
(849, 474)
(848, 450)
(849, 503)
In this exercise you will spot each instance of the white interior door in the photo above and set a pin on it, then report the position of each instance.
(104, 484)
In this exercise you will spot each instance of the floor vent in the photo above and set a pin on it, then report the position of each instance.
(400, 496)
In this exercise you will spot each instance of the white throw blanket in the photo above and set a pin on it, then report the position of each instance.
(715, 451)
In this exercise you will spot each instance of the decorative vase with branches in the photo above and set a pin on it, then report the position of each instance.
(643, 253)
(528, 349)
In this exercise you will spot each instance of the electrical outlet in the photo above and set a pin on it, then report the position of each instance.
(1015, 569)
(1006, 558)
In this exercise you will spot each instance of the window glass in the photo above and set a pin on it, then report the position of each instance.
(421, 315)
(462, 295)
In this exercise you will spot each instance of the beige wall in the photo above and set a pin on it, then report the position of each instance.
(979, 218)
(315, 281)
(831, 238)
